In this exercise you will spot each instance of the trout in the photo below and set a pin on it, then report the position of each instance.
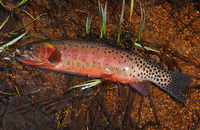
(100, 60)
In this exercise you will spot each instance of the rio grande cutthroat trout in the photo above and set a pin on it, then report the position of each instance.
(100, 60)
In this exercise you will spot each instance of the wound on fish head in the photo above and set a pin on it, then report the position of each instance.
(38, 54)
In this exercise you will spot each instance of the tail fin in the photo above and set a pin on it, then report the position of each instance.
(178, 85)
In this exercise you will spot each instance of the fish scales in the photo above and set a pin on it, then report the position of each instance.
(101, 60)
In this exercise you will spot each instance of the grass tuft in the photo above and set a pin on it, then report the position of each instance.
(102, 13)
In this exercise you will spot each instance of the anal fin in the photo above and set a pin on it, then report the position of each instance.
(141, 86)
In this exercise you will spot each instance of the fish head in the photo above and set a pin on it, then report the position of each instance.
(36, 54)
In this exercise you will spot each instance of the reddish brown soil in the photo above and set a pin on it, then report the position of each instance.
(45, 101)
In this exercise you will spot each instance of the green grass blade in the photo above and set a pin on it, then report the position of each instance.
(12, 42)
(105, 119)
(17, 91)
(120, 24)
(131, 11)
(58, 125)
(4, 22)
(148, 48)
(11, 59)
(142, 22)
(21, 3)
(13, 32)
(104, 19)
(87, 84)
(88, 23)
(1, 3)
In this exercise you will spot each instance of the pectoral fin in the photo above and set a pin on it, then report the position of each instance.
(109, 77)
(142, 87)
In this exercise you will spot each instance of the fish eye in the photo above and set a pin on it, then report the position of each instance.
(30, 48)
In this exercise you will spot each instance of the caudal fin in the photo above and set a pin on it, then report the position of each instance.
(178, 85)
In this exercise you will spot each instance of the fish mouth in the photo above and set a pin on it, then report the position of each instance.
(27, 57)
(24, 55)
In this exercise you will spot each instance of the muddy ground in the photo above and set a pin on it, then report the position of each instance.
(35, 99)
